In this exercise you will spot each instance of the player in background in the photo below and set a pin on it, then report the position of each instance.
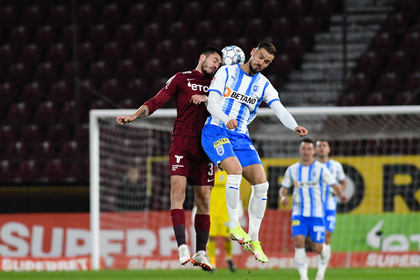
(336, 169)
(187, 160)
(234, 96)
(310, 178)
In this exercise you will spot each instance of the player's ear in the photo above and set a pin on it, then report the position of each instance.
(253, 51)
(202, 58)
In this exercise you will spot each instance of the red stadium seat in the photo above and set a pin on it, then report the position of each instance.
(19, 36)
(395, 23)
(111, 14)
(178, 31)
(111, 52)
(27, 171)
(189, 48)
(406, 98)
(53, 171)
(68, 72)
(8, 134)
(126, 70)
(389, 83)
(138, 14)
(376, 98)
(272, 9)
(86, 90)
(32, 92)
(152, 31)
(409, 8)
(399, 62)
(166, 12)
(98, 34)
(153, 68)
(128, 103)
(31, 133)
(86, 15)
(58, 133)
(68, 111)
(306, 27)
(411, 42)
(45, 72)
(382, 43)
(255, 26)
(281, 27)
(58, 16)
(350, 99)
(86, 52)
(296, 8)
(294, 46)
(7, 170)
(43, 150)
(18, 72)
(7, 92)
(281, 66)
(125, 34)
(179, 64)
(32, 16)
(18, 113)
(98, 71)
(16, 150)
(135, 90)
(58, 53)
(66, 35)
(359, 82)
(84, 132)
(166, 49)
(203, 30)
(321, 9)
(46, 112)
(8, 16)
(45, 35)
(7, 54)
(245, 9)
(30, 54)
(138, 51)
(369, 62)
(193, 11)
(112, 88)
(229, 29)
(219, 11)
(412, 83)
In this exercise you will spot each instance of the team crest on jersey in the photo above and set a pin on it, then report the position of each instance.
(220, 150)
(313, 174)
(255, 88)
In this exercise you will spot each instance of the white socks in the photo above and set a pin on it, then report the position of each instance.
(301, 262)
(232, 199)
(256, 209)
(323, 260)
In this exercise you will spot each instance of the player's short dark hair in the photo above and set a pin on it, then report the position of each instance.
(210, 50)
(307, 140)
(323, 140)
(270, 48)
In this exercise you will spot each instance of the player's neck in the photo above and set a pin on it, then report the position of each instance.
(322, 159)
(247, 69)
(307, 162)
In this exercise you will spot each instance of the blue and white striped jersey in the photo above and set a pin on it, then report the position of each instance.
(241, 95)
(310, 182)
(337, 171)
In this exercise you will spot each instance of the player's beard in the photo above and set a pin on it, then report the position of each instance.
(252, 69)
(205, 69)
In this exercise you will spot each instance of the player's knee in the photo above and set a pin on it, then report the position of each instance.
(318, 247)
(260, 190)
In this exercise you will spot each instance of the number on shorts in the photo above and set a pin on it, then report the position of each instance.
(211, 169)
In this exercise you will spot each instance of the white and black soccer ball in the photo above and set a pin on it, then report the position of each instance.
(233, 55)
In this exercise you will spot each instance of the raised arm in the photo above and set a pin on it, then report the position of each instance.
(287, 119)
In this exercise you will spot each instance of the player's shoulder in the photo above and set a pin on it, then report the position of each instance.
(335, 163)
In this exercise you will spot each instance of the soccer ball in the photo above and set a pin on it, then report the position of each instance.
(233, 55)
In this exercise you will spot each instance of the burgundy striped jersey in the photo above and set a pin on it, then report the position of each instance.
(182, 86)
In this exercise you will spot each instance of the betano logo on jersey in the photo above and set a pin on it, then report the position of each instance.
(240, 97)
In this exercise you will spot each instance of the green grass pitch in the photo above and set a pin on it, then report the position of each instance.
(221, 274)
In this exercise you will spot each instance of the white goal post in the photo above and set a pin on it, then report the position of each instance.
(332, 123)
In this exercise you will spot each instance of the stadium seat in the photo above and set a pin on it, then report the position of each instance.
(376, 98)
(86, 52)
(246, 44)
(138, 14)
(193, 11)
(46, 112)
(45, 72)
(30, 54)
(18, 112)
(272, 9)
(125, 34)
(68, 150)
(111, 52)
(68, 72)
(359, 82)
(86, 15)
(219, 11)
(53, 171)
(152, 68)
(306, 27)
(382, 43)
(296, 8)
(126, 70)
(412, 83)
(7, 169)
(32, 92)
(203, 30)
(57, 53)
(7, 54)
(395, 23)
(152, 31)
(86, 90)
(43, 150)
(19, 36)
(32, 16)
(178, 31)
(388, 83)
(27, 171)
(84, 132)
(229, 29)
(112, 88)
(98, 34)
(58, 16)
(255, 26)
(294, 46)
(8, 134)
(166, 49)
(281, 27)
(399, 62)
(138, 51)
(110, 14)
(411, 42)
(406, 98)
(16, 150)
(66, 35)
(189, 47)
(98, 71)
(58, 133)
(178, 64)
(281, 66)
(369, 62)
(135, 89)
(166, 12)
(45, 35)
(321, 9)
(8, 16)
(68, 111)
(129, 103)
(7, 92)
(31, 133)
(350, 99)
(245, 9)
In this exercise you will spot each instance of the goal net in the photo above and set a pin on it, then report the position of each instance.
(378, 147)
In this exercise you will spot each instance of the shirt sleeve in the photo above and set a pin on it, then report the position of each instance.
(327, 178)
(270, 94)
(283, 115)
(214, 109)
(287, 179)
(164, 95)
(341, 176)
(218, 83)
